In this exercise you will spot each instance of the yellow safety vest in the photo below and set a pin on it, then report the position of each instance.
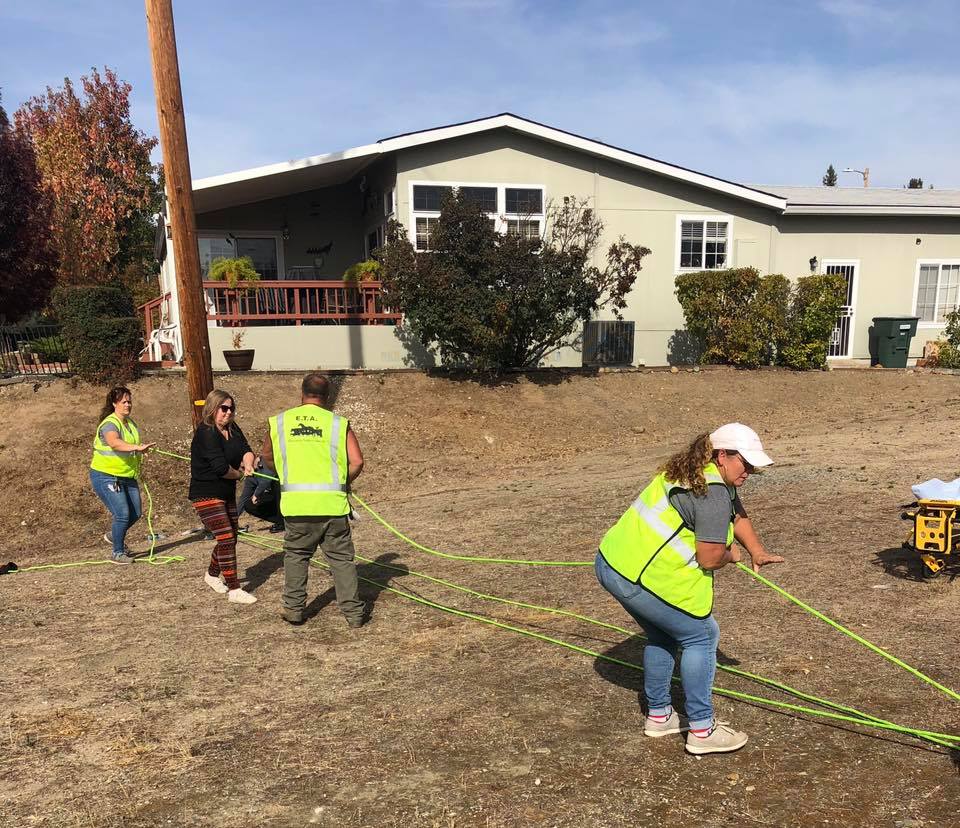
(310, 455)
(652, 546)
(117, 463)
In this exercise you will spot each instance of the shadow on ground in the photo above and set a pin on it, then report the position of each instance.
(904, 562)
(630, 678)
(374, 579)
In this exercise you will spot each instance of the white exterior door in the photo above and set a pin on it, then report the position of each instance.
(841, 340)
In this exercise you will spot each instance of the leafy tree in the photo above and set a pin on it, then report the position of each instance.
(830, 178)
(915, 184)
(27, 261)
(487, 301)
(95, 166)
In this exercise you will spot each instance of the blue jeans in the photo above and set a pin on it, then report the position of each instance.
(668, 629)
(121, 495)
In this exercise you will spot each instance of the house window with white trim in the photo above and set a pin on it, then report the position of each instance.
(938, 290)
(425, 226)
(527, 228)
(704, 243)
(515, 210)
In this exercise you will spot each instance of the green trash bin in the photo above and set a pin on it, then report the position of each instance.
(892, 336)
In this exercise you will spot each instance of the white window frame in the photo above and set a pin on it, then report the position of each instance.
(389, 202)
(500, 217)
(916, 291)
(702, 217)
(276, 235)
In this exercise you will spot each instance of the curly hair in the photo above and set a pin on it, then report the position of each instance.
(686, 467)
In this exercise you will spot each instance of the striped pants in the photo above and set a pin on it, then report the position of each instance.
(220, 518)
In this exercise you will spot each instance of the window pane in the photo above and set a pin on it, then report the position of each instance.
(484, 197)
(949, 281)
(524, 202)
(428, 197)
(927, 292)
(263, 252)
(424, 227)
(211, 249)
(527, 229)
(691, 243)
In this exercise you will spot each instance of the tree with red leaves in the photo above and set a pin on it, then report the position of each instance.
(96, 168)
(27, 259)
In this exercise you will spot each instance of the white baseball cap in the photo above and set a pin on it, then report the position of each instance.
(743, 440)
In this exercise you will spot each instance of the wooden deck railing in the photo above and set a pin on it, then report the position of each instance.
(293, 302)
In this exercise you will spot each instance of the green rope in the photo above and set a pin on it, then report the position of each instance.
(472, 558)
(834, 624)
(878, 650)
(857, 717)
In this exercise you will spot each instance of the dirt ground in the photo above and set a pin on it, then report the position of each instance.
(135, 696)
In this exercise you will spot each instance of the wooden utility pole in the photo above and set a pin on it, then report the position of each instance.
(176, 168)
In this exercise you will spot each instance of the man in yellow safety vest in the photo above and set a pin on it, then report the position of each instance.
(316, 456)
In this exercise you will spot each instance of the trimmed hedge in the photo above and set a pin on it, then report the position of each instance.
(742, 318)
(102, 335)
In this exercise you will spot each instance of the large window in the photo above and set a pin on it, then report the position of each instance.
(938, 290)
(703, 242)
(509, 209)
(263, 251)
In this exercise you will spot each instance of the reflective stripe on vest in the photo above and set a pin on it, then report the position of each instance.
(304, 491)
(650, 545)
(112, 462)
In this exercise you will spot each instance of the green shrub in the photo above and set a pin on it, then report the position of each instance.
(747, 320)
(948, 346)
(738, 315)
(49, 349)
(814, 307)
(948, 355)
(235, 272)
(362, 271)
(102, 336)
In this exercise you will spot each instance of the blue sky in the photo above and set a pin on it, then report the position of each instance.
(757, 91)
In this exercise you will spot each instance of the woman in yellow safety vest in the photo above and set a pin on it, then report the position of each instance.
(114, 468)
(658, 561)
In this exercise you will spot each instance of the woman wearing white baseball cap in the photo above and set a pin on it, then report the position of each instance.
(658, 561)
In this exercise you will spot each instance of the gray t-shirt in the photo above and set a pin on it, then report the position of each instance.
(708, 515)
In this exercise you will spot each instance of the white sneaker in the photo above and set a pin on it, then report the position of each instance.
(215, 583)
(722, 739)
(241, 596)
(658, 729)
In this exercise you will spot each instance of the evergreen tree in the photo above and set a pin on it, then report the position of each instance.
(830, 178)
(915, 184)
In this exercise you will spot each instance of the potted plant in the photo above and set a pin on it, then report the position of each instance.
(366, 271)
(240, 358)
(241, 277)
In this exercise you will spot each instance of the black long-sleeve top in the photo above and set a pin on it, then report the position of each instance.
(210, 458)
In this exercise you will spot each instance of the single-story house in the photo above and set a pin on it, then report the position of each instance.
(305, 222)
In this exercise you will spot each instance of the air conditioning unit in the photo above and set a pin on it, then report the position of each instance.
(608, 343)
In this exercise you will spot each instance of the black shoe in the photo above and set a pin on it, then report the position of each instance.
(356, 623)
(277, 527)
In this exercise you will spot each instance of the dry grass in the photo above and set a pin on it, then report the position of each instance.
(136, 697)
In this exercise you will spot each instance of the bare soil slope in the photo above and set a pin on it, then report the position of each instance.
(135, 696)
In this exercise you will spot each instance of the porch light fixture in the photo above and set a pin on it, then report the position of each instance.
(813, 264)
(285, 232)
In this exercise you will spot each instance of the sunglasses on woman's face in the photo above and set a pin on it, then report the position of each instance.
(226, 409)
(747, 467)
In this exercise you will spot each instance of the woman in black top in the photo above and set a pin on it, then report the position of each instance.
(220, 456)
